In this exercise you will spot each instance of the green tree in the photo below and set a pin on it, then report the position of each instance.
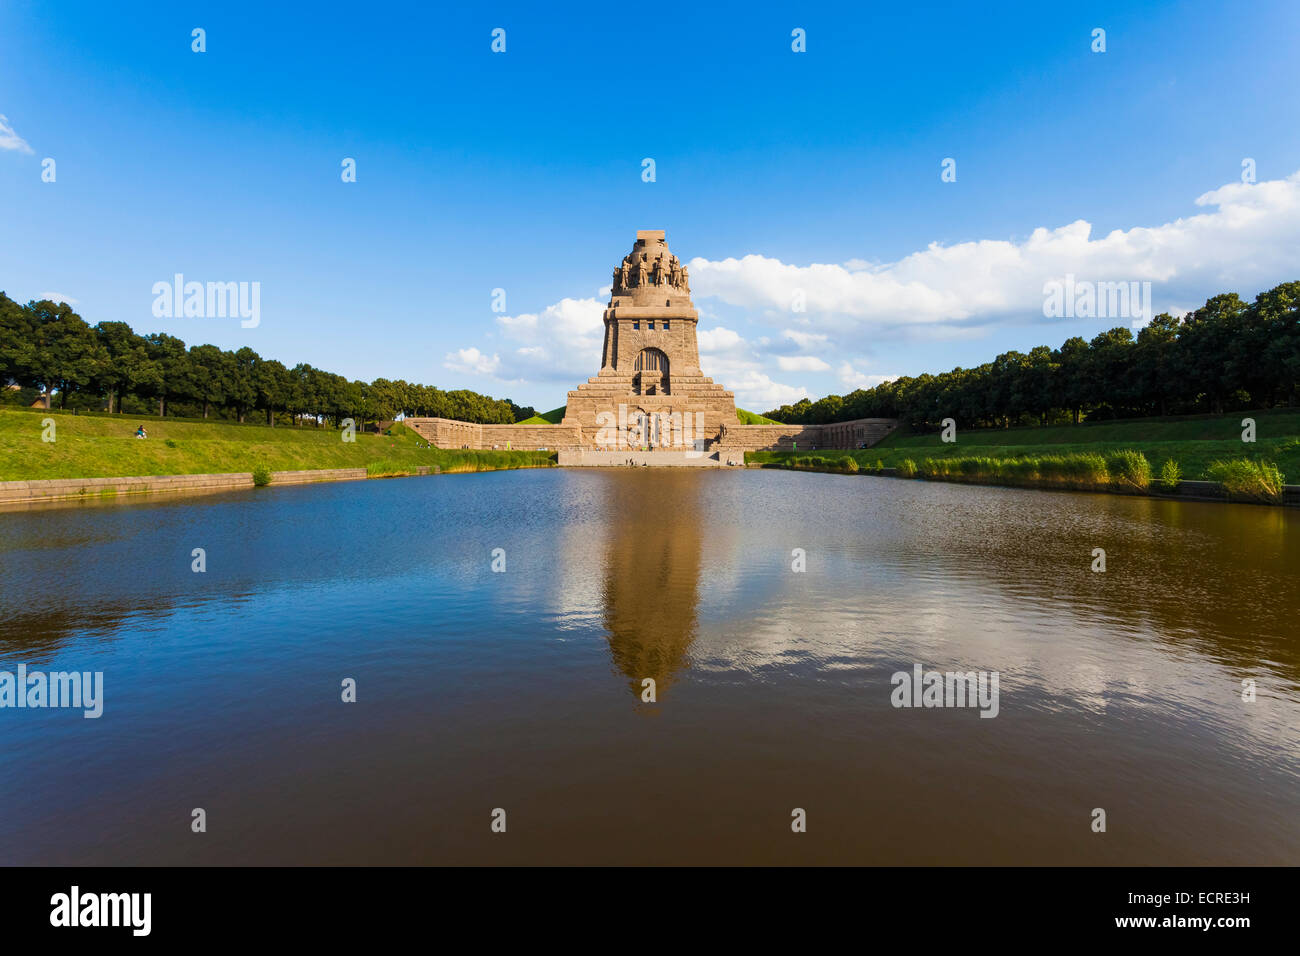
(212, 373)
(167, 374)
(17, 343)
(1107, 364)
(272, 383)
(241, 391)
(1072, 381)
(1156, 373)
(1206, 341)
(1278, 314)
(66, 355)
(125, 361)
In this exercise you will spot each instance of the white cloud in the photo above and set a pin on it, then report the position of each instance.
(59, 297)
(1249, 238)
(806, 340)
(718, 340)
(576, 319)
(737, 369)
(9, 139)
(801, 363)
(757, 392)
(754, 389)
(472, 360)
(854, 378)
(561, 344)
(518, 322)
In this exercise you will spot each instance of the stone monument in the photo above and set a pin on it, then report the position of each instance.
(650, 389)
(650, 403)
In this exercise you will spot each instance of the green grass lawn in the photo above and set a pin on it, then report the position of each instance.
(553, 417)
(1193, 442)
(750, 418)
(104, 446)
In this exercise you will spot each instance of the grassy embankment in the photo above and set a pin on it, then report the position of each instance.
(104, 446)
(1132, 455)
(552, 417)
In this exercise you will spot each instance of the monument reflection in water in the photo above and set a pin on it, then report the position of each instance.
(652, 576)
(523, 690)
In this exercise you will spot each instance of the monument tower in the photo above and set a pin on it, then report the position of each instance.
(650, 396)
(650, 362)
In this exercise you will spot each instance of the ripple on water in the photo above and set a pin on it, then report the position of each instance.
(772, 685)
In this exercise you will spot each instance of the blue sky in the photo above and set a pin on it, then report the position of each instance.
(523, 171)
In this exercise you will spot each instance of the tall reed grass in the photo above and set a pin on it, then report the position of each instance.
(1248, 479)
(1086, 471)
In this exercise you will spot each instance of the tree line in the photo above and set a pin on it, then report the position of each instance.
(1225, 356)
(47, 349)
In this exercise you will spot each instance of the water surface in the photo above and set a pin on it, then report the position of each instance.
(522, 690)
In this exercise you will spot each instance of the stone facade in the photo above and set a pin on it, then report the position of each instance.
(860, 433)
(650, 394)
(449, 433)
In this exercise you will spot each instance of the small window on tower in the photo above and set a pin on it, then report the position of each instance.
(636, 325)
(652, 326)
(665, 325)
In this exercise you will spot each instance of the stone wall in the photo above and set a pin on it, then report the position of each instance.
(839, 435)
(612, 395)
(530, 437)
(860, 432)
(771, 437)
(449, 433)
(54, 489)
(588, 458)
(317, 474)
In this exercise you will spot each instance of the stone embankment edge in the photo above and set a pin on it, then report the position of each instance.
(1187, 490)
(62, 489)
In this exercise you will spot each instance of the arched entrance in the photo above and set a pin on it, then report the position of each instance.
(651, 360)
(650, 372)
